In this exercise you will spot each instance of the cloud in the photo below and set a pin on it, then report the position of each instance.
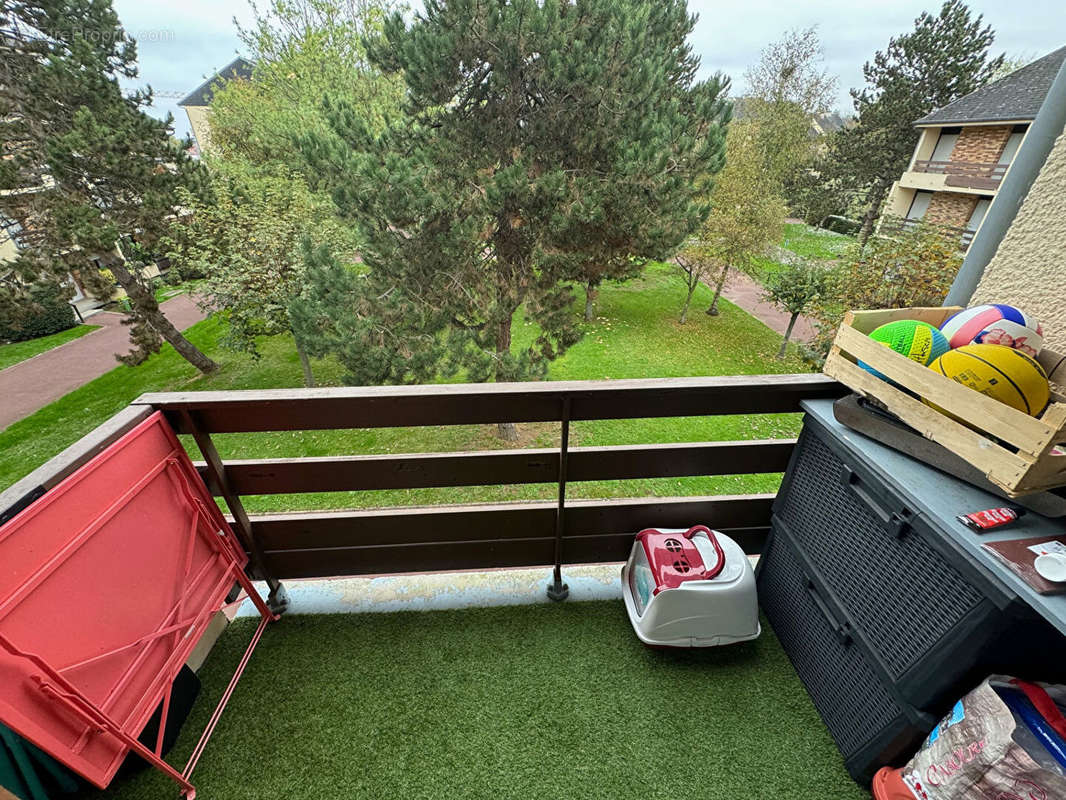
(181, 44)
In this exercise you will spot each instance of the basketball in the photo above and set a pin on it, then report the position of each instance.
(995, 324)
(918, 341)
(1004, 374)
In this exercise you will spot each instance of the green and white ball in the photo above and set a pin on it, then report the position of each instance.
(918, 341)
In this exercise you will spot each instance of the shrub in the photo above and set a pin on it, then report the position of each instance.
(41, 310)
(913, 268)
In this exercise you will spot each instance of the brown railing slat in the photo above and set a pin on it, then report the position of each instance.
(501, 521)
(435, 557)
(490, 468)
(454, 404)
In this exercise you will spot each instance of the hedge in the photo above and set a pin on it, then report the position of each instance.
(44, 311)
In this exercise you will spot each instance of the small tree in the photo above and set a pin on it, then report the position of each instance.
(747, 210)
(795, 289)
(245, 239)
(695, 262)
(787, 88)
(913, 268)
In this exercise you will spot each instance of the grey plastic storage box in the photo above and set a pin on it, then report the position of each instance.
(900, 595)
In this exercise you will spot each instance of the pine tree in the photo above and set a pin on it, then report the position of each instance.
(84, 167)
(945, 57)
(537, 138)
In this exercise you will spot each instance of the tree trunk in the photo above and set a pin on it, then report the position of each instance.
(507, 431)
(144, 304)
(688, 302)
(591, 291)
(788, 335)
(875, 198)
(713, 310)
(305, 363)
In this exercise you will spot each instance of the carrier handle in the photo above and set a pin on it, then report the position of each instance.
(719, 553)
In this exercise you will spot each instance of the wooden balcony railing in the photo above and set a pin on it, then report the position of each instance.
(332, 543)
(967, 174)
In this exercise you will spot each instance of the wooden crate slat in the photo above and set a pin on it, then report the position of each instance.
(1001, 466)
(866, 321)
(496, 467)
(1023, 431)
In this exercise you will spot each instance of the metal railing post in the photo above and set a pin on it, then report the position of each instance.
(557, 590)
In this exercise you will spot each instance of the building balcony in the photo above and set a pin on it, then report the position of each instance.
(959, 176)
(892, 226)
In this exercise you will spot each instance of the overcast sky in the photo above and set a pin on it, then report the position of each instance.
(180, 44)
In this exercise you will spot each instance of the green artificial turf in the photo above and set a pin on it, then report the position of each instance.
(552, 701)
(11, 354)
(635, 335)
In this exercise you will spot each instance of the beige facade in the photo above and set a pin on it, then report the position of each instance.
(8, 250)
(201, 126)
(1029, 267)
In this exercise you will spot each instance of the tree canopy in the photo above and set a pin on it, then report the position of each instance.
(303, 50)
(788, 87)
(534, 137)
(747, 210)
(245, 238)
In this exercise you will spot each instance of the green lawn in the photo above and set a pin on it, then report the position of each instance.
(634, 335)
(804, 240)
(546, 701)
(816, 243)
(15, 352)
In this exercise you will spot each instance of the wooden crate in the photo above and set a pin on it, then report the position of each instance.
(1019, 453)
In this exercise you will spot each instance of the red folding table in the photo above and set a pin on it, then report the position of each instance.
(107, 583)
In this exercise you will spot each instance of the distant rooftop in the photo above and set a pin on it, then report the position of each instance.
(201, 96)
(1018, 95)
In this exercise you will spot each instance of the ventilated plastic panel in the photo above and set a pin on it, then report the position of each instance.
(870, 725)
(905, 596)
(107, 582)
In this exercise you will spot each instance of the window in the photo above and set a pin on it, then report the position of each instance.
(919, 205)
(978, 214)
(945, 144)
(12, 228)
(1010, 149)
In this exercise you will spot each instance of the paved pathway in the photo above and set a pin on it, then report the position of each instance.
(748, 294)
(38, 381)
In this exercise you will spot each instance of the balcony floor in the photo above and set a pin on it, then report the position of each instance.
(532, 701)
